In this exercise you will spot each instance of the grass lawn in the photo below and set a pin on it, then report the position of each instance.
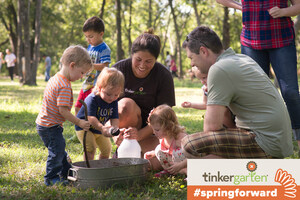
(23, 155)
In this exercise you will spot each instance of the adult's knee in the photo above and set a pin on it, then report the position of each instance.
(290, 94)
(129, 113)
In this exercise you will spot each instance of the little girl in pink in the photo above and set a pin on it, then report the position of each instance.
(166, 128)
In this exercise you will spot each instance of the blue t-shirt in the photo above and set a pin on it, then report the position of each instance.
(98, 54)
(98, 108)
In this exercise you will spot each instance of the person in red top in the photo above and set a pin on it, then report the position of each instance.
(56, 108)
(268, 37)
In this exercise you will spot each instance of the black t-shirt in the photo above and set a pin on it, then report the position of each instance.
(149, 92)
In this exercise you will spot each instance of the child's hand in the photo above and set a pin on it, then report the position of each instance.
(120, 137)
(276, 12)
(175, 168)
(149, 154)
(85, 125)
(186, 104)
(105, 131)
(131, 133)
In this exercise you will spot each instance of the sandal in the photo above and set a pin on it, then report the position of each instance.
(161, 174)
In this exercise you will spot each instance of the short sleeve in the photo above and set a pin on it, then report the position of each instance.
(220, 87)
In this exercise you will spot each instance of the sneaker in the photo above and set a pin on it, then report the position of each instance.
(56, 181)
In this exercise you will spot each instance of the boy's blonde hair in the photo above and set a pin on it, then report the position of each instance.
(109, 77)
(78, 55)
(165, 116)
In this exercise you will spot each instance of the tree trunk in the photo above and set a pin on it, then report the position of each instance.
(149, 13)
(102, 10)
(177, 37)
(36, 52)
(297, 25)
(196, 12)
(120, 52)
(20, 50)
(27, 49)
(226, 27)
(129, 29)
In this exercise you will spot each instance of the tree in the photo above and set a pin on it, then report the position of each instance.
(102, 10)
(226, 28)
(120, 52)
(36, 52)
(20, 50)
(177, 36)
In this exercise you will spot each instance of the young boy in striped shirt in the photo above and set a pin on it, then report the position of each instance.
(56, 108)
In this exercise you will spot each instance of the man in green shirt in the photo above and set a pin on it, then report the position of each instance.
(237, 82)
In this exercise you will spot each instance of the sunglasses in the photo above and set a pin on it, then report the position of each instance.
(188, 38)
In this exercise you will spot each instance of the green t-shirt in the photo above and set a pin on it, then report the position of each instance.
(238, 82)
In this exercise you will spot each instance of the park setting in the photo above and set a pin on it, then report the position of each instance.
(66, 63)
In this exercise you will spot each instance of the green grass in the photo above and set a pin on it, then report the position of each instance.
(23, 155)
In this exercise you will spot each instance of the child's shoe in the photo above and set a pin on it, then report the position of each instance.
(56, 181)
(161, 174)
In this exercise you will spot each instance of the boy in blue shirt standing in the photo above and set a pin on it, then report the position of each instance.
(93, 29)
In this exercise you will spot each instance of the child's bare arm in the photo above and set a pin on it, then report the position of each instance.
(174, 169)
(100, 66)
(149, 154)
(200, 106)
(64, 111)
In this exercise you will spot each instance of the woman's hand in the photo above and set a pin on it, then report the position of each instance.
(119, 139)
(276, 12)
(131, 133)
(149, 154)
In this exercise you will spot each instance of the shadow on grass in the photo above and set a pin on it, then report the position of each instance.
(18, 128)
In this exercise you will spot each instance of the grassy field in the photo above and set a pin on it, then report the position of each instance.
(23, 155)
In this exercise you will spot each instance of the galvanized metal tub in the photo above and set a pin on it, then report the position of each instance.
(108, 172)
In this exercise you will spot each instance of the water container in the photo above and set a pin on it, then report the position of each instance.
(129, 148)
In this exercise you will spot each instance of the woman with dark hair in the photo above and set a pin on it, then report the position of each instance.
(148, 84)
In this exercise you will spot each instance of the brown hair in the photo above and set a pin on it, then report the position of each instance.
(109, 77)
(147, 42)
(76, 54)
(165, 116)
(93, 24)
(203, 36)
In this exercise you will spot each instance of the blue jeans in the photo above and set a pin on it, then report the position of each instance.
(57, 164)
(284, 63)
(47, 73)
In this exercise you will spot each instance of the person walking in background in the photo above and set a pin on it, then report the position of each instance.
(268, 36)
(10, 59)
(56, 109)
(173, 67)
(168, 60)
(47, 67)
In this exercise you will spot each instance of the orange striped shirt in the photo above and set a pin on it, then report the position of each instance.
(58, 92)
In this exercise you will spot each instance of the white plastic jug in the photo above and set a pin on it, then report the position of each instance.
(129, 148)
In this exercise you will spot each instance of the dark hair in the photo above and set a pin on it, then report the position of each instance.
(147, 42)
(93, 24)
(203, 36)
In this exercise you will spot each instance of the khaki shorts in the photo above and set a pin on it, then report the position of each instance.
(228, 143)
(95, 140)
